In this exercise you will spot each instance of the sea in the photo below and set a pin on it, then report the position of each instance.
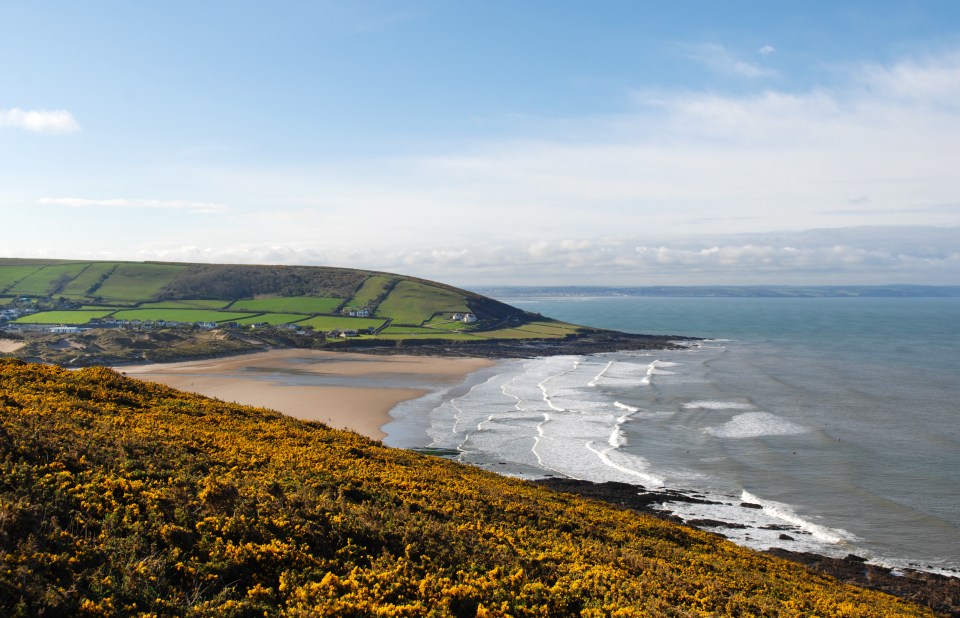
(828, 425)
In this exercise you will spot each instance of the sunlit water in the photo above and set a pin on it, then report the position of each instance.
(838, 416)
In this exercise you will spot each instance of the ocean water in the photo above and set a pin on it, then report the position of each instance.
(825, 425)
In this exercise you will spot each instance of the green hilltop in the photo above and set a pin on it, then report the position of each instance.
(229, 289)
(127, 311)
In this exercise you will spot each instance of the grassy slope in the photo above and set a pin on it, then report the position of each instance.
(412, 303)
(283, 294)
(121, 497)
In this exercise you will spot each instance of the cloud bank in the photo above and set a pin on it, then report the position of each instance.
(39, 120)
(867, 255)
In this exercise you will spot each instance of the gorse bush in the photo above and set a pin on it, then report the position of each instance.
(119, 497)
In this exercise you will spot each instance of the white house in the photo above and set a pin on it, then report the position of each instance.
(469, 318)
(64, 329)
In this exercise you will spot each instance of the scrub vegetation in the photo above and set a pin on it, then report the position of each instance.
(120, 497)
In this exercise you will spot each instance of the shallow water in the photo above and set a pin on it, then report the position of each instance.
(838, 417)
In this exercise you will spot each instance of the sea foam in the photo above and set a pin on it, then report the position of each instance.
(754, 425)
(718, 405)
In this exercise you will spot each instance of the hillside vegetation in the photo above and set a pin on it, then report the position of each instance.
(88, 293)
(120, 497)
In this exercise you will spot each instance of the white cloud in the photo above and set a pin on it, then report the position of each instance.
(617, 199)
(934, 80)
(189, 206)
(878, 255)
(39, 120)
(766, 50)
(720, 59)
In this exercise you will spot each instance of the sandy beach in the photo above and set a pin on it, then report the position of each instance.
(8, 346)
(346, 391)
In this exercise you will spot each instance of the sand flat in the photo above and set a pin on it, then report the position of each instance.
(343, 390)
(8, 346)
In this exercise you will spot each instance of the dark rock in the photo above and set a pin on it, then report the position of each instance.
(713, 523)
(938, 592)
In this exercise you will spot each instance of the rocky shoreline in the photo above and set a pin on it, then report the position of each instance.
(938, 592)
(589, 342)
(118, 347)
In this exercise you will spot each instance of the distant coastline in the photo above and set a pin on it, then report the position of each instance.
(725, 291)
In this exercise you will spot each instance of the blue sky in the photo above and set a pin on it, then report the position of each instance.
(622, 143)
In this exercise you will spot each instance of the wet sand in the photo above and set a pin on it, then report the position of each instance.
(342, 390)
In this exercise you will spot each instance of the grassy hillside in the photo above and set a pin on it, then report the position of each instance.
(299, 291)
(125, 498)
(373, 309)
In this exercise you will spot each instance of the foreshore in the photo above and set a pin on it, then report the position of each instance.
(941, 593)
(341, 389)
(357, 391)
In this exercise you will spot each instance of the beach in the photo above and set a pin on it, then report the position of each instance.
(342, 390)
(9, 346)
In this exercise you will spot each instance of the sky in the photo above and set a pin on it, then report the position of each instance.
(490, 143)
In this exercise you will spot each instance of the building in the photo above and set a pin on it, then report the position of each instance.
(64, 329)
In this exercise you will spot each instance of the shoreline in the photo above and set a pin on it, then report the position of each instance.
(377, 383)
(939, 592)
(343, 390)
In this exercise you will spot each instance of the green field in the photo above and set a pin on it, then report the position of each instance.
(47, 280)
(414, 303)
(434, 336)
(138, 282)
(89, 277)
(301, 304)
(329, 322)
(273, 319)
(185, 304)
(444, 323)
(180, 315)
(11, 274)
(249, 294)
(412, 330)
(63, 317)
(372, 288)
(533, 330)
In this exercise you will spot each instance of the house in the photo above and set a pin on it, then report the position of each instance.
(456, 317)
(64, 329)
(469, 318)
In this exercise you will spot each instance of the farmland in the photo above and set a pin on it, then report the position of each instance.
(372, 289)
(297, 304)
(199, 303)
(148, 295)
(63, 317)
(87, 279)
(414, 303)
(137, 282)
(180, 315)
